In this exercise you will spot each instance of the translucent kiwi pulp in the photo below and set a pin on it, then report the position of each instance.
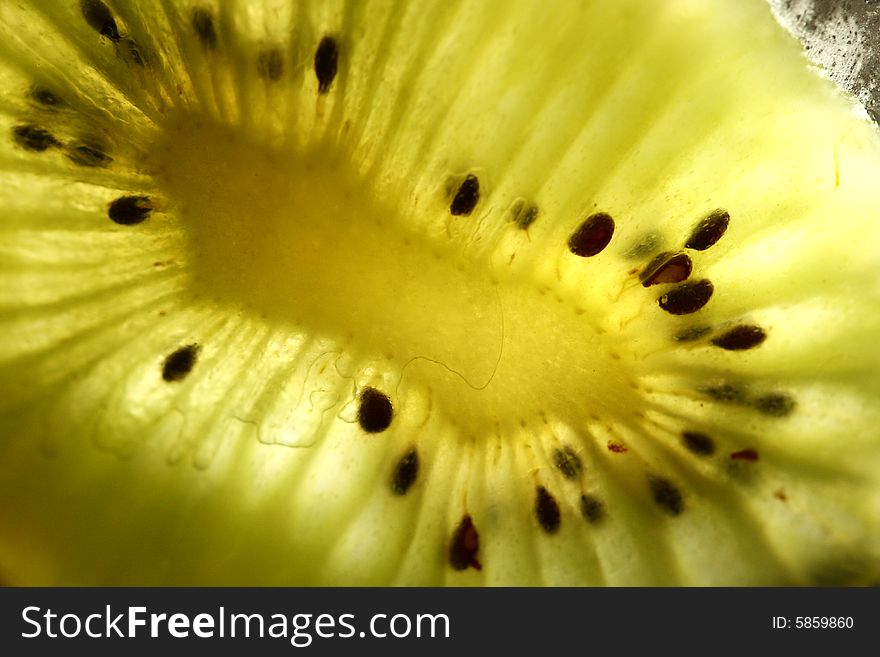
(433, 293)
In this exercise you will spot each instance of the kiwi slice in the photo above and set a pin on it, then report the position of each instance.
(433, 293)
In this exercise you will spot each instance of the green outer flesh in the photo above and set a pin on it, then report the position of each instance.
(305, 243)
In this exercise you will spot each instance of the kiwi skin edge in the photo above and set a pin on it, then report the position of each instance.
(456, 293)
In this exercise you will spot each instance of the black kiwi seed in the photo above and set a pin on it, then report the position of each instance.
(98, 16)
(524, 214)
(33, 138)
(375, 411)
(748, 454)
(567, 462)
(180, 363)
(87, 156)
(691, 334)
(726, 393)
(270, 64)
(45, 97)
(740, 338)
(592, 236)
(698, 443)
(666, 268)
(326, 61)
(130, 210)
(465, 546)
(134, 52)
(203, 25)
(777, 404)
(666, 495)
(592, 508)
(405, 472)
(466, 198)
(547, 510)
(687, 298)
(708, 231)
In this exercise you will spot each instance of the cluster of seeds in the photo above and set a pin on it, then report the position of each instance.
(101, 19)
(773, 404)
(270, 60)
(37, 139)
(589, 239)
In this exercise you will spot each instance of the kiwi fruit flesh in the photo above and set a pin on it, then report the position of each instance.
(433, 293)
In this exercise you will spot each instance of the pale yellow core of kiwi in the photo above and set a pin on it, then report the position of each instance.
(299, 239)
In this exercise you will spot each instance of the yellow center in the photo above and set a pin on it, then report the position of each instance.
(302, 241)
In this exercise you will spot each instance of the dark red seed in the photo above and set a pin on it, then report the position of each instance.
(740, 338)
(616, 447)
(666, 268)
(465, 546)
(745, 455)
(592, 236)
(708, 231)
(547, 511)
(687, 298)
